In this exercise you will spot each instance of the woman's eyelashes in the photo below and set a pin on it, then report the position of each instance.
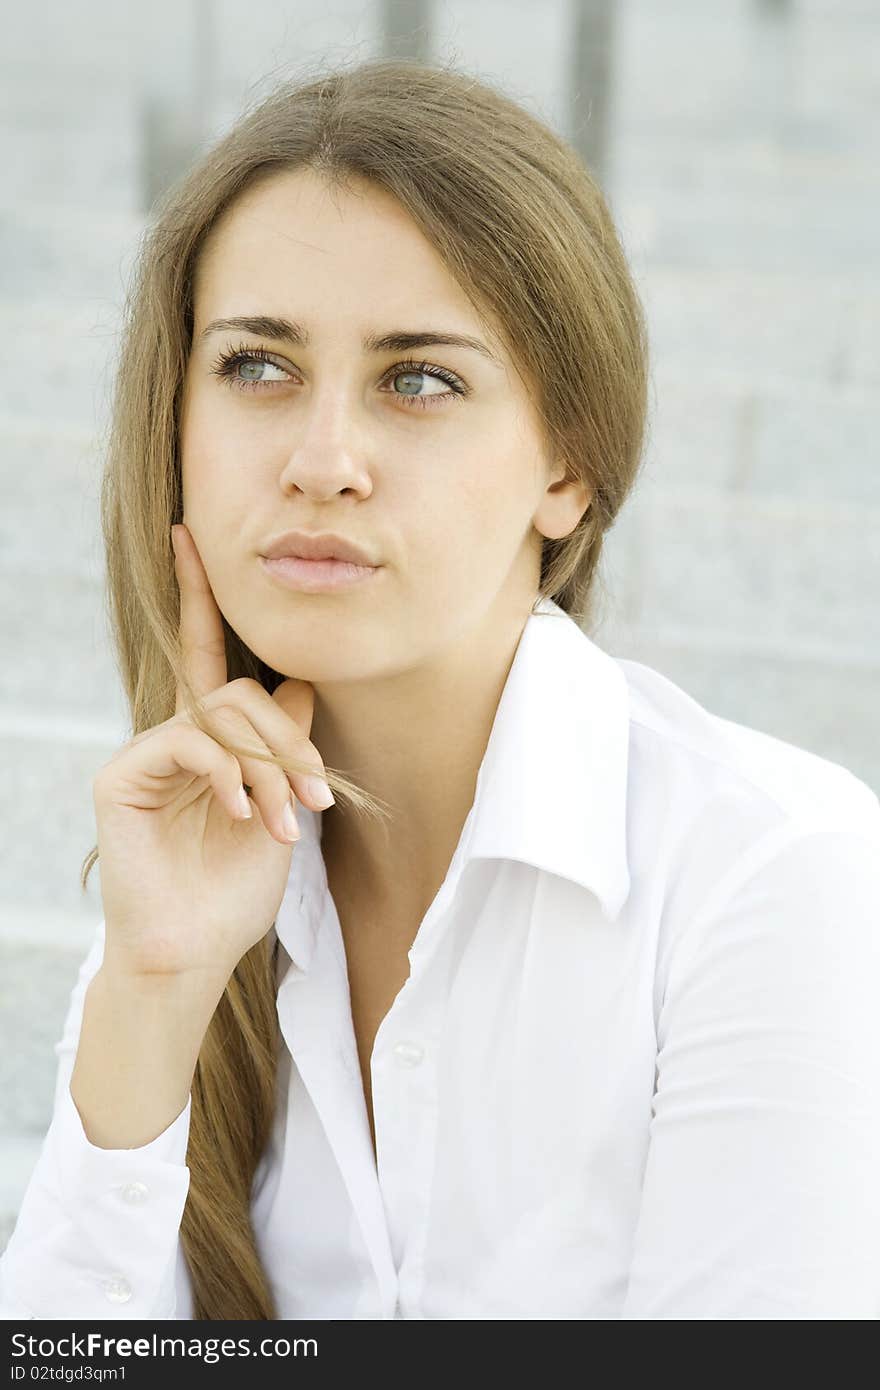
(227, 365)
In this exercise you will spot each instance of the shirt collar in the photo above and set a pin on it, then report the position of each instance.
(551, 789)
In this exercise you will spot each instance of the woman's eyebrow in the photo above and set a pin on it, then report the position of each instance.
(283, 330)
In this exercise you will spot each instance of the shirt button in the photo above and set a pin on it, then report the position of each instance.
(117, 1290)
(410, 1054)
(135, 1192)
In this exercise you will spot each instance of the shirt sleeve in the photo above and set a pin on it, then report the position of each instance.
(761, 1194)
(97, 1232)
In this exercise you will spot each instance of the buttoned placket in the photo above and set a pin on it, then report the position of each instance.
(404, 1078)
(388, 1193)
(314, 1014)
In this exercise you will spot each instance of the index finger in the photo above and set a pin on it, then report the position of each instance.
(201, 623)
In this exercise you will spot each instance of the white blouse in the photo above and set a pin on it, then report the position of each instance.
(634, 1071)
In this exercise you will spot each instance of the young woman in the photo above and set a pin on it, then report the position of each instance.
(565, 1007)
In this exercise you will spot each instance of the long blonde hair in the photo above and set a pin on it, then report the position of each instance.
(524, 228)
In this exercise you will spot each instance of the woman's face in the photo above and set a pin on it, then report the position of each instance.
(439, 473)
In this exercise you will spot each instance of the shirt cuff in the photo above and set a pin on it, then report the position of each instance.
(168, 1147)
(98, 1231)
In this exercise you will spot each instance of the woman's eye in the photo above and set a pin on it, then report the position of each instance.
(422, 385)
(249, 371)
(416, 384)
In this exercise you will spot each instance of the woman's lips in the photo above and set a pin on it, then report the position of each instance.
(316, 576)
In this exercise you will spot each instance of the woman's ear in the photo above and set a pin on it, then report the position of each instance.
(564, 502)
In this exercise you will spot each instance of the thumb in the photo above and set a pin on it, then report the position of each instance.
(297, 698)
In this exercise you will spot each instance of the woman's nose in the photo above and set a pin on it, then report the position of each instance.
(328, 453)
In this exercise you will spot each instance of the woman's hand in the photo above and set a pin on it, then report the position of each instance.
(187, 884)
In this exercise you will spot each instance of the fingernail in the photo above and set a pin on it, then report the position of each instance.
(289, 823)
(320, 793)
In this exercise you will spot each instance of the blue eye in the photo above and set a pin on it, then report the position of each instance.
(227, 364)
(414, 370)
